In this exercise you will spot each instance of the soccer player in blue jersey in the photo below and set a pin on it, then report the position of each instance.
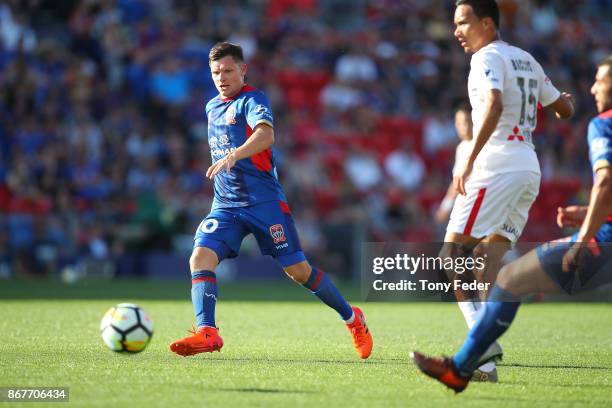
(581, 261)
(248, 199)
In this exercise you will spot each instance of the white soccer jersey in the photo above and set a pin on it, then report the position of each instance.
(523, 84)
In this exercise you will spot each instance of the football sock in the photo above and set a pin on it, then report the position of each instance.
(469, 308)
(320, 284)
(204, 293)
(497, 317)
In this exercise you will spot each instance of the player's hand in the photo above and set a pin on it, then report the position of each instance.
(570, 99)
(570, 217)
(461, 178)
(574, 256)
(225, 163)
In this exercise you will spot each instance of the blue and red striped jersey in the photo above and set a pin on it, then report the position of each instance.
(600, 155)
(231, 122)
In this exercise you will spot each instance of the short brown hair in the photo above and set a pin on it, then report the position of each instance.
(606, 62)
(223, 49)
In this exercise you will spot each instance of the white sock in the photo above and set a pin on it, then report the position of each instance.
(487, 367)
(350, 319)
(469, 310)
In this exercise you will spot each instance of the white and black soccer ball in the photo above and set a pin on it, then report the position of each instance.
(126, 327)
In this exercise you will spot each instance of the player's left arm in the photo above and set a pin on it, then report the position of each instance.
(494, 108)
(261, 139)
(600, 204)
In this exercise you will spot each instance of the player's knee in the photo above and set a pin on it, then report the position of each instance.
(202, 259)
(480, 250)
(509, 279)
(299, 273)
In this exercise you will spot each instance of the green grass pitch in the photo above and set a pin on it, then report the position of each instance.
(282, 353)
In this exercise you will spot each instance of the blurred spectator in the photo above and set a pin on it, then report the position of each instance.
(405, 167)
(103, 140)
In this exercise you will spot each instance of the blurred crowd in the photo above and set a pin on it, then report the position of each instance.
(103, 141)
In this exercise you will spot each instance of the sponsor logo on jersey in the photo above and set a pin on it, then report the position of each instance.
(223, 140)
(516, 135)
(599, 146)
(277, 233)
(261, 109)
(216, 152)
(230, 115)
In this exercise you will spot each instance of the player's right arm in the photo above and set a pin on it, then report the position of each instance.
(261, 139)
(562, 103)
(572, 216)
(600, 204)
(493, 109)
(564, 106)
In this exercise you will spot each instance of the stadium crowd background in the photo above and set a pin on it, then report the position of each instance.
(103, 142)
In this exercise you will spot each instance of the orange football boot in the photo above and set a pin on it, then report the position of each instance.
(442, 369)
(203, 340)
(362, 338)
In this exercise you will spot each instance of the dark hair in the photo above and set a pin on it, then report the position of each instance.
(482, 9)
(463, 107)
(223, 49)
(606, 62)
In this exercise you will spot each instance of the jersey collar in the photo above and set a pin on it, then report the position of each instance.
(605, 115)
(245, 88)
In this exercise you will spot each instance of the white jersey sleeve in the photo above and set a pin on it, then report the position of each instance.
(490, 70)
(548, 92)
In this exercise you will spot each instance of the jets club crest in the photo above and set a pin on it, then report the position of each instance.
(277, 233)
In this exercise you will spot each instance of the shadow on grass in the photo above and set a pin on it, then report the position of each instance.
(533, 402)
(548, 384)
(262, 390)
(310, 361)
(556, 366)
(146, 289)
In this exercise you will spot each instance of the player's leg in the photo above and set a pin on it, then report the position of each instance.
(317, 281)
(469, 302)
(491, 248)
(524, 192)
(218, 236)
(520, 277)
(515, 280)
(273, 227)
(204, 290)
(460, 245)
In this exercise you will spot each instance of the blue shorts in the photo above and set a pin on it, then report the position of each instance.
(594, 268)
(270, 222)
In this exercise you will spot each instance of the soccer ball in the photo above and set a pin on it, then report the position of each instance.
(126, 327)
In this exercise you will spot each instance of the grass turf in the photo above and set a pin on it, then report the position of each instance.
(291, 353)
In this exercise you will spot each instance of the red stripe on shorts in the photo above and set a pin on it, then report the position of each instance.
(474, 213)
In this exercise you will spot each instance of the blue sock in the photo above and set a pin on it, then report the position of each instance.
(204, 297)
(320, 284)
(497, 317)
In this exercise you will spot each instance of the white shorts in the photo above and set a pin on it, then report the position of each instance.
(495, 204)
